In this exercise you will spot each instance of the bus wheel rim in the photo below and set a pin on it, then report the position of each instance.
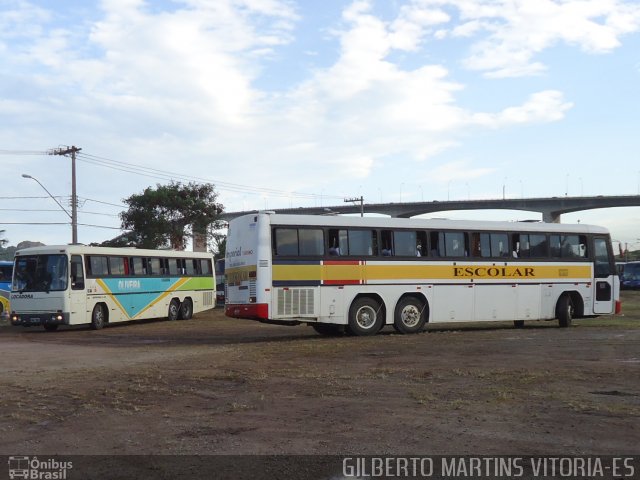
(366, 317)
(410, 316)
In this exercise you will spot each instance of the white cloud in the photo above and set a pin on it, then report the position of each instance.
(546, 106)
(519, 30)
(457, 170)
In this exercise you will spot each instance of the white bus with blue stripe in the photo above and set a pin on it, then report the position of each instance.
(75, 284)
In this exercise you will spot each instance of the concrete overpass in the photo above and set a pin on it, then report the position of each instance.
(551, 207)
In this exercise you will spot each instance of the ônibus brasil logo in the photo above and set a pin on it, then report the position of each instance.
(31, 468)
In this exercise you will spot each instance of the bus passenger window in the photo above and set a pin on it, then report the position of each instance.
(386, 243)
(173, 266)
(311, 242)
(154, 267)
(362, 242)
(454, 244)
(285, 241)
(336, 237)
(98, 266)
(117, 265)
(437, 244)
(137, 266)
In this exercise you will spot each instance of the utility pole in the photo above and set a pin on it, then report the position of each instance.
(64, 151)
(356, 199)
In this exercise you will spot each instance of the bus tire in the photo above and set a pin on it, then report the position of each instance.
(518, 323)
(365, 317)
(98, 317)
(409, 315)
(328, 329)
(174, 310)
(186, 310)
(564, 310)
(50, 327)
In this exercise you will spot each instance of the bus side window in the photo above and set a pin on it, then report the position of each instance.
(387, 243)
(77, 274)
(437, 247)
(334, 242)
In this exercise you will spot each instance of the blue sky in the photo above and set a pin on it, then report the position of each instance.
(282, 103)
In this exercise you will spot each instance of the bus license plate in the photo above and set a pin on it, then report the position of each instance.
(35, 319)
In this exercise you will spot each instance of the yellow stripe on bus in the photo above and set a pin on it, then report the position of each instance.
(374, 272)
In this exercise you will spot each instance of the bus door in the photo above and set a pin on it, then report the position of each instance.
(78, 295)
(604, 272)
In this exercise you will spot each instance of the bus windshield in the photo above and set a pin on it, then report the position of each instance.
(36, 273)
(631, 271)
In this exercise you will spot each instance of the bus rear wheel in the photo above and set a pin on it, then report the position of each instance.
(564, 311)
(410, 316)
(98, 317)
(186, 309)
(174, 310)
(365, 317)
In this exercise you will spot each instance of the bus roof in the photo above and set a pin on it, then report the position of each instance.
(84, 249)
(424, 223)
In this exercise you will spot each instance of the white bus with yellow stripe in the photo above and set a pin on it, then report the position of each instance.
(76, 284)
(337, 272)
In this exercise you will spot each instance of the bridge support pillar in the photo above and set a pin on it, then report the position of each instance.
(550, 217)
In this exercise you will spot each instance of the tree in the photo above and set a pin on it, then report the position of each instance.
(3, 241)
(217, 244)
(167, 215)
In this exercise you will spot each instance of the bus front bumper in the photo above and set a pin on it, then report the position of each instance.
(39, 318)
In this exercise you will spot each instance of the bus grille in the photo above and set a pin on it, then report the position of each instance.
(207, 299)
(295, 301)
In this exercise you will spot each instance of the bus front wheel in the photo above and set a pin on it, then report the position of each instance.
(410, 316)
(564, 311)
(98, 317)
(365, 317)
(174, 310)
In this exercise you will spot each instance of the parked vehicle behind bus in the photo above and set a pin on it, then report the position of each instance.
(73, 284)
(363, 273)
(630, 279)
(219, 267)
(6, 268)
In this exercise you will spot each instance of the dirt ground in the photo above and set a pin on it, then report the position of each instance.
(214, 385)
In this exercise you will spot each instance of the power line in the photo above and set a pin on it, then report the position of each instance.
(167, 175)
(54, 210)
(159, 174)
(103, 202)
(60, 223)
(22, 152)
(26, 198)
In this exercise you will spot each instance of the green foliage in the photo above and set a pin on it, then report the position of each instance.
(7, 253)
(167, 215)
(217, 243)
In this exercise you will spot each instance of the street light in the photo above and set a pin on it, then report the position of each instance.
(74, 225)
